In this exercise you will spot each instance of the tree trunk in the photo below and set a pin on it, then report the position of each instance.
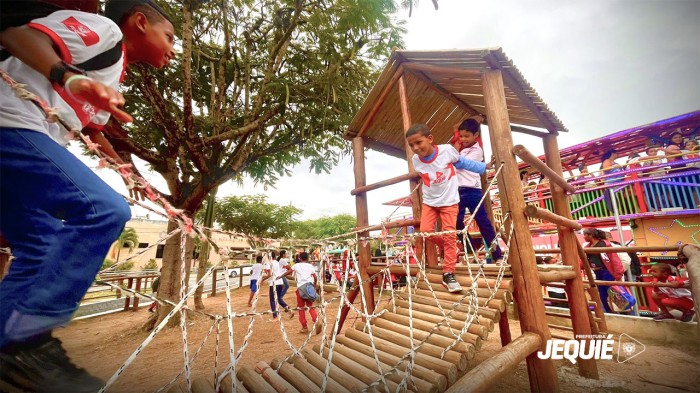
(204, 251)
(169, 287)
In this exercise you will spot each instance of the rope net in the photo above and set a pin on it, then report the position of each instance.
(472, 298)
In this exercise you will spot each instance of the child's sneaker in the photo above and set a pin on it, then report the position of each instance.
(304, 330)
(289, 312)
(688, 316)
(449, 282)
(663, 316)
(43, 366)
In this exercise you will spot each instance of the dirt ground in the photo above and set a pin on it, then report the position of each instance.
(102, 344)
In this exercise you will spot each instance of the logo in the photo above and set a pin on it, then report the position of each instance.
(439, 178)
(88, 36)
(598, 347)
(628, 348)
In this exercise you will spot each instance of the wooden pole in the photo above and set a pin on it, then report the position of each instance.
(456, 72)
(316, 376)
(580, 316)
(504, 329)
(527, 289)
(454, 357)
(440, 366)
(490, 371)
(294, 376)
(253, 381)
(465, 348)
(556, 276)
(416, 198)
(592, 289)
(549, 171)
(544, 214)
(455, 314)
(384, 183)
(337, 373)
(418, 371)
(476, 329)
(352, 294)
(487, 314)
(426, 326)
(693, 254)
(355, 369)
(274, 379)
(416, 384)
(364, 253)
(226, 385)
(391, 225)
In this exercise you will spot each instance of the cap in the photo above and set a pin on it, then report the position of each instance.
(116, 9)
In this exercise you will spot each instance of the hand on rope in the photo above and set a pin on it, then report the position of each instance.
(101, 96)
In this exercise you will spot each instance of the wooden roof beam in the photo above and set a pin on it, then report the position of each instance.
(509, 80)
(444, 92)
(380, 100)
(529, 131)
(457, 72)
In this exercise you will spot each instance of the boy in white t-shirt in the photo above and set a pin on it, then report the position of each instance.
(305, 273)
(284, 264)
(438, 166)
(274, 272)
(254, 278)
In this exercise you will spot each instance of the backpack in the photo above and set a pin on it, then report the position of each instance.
(308, 292)
(15, 13)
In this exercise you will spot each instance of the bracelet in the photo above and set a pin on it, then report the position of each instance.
(72, 78)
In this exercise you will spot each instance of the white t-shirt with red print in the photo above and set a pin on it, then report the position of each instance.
(78, 36)
(439, 176)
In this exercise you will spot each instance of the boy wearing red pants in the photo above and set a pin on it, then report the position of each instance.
(438, 165)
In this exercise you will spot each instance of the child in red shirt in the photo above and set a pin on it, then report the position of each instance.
(677, 297)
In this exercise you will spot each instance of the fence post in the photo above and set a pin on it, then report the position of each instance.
(213, 283)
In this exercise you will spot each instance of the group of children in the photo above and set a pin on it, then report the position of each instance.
(451, 183)
(276, 271)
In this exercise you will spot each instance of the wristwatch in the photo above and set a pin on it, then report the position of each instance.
(58, 71)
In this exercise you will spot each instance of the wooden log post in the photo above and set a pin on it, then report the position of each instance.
(454, 357)
(557, 276)
(504, 329)
(418, 371)
(352, 294)
(490, 371)
(384, 183)
(337, 373)
(316, 376)
(416, 384)
(253, 381)
(274, 379)
(546, 169)
(544, 214)
(416, 198)
(580, 315)
(364, 254)
(294, 376)
(443, 367)
(527, 289)
(356, 370)
(592, 289)
(226, 385)
(693, 254)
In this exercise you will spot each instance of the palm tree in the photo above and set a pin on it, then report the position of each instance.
(130, 238)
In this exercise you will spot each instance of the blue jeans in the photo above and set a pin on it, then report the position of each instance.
(470, 197)
(604, 275)
(273, 305)
(60, 220)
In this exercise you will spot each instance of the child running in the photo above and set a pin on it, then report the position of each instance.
(677, 297)
(254, 278)
(59, 217)
(437, 165)
(470, 193)
(274, 271)
(305, 275)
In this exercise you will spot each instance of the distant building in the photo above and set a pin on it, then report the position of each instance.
(149, 231)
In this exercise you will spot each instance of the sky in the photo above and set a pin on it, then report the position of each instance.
(601, 65)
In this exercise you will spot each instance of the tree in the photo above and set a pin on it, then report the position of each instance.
(128, 238)
(253, 215)
(325, 227)
(260, 85)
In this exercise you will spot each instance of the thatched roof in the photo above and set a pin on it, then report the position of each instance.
(443, 88)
